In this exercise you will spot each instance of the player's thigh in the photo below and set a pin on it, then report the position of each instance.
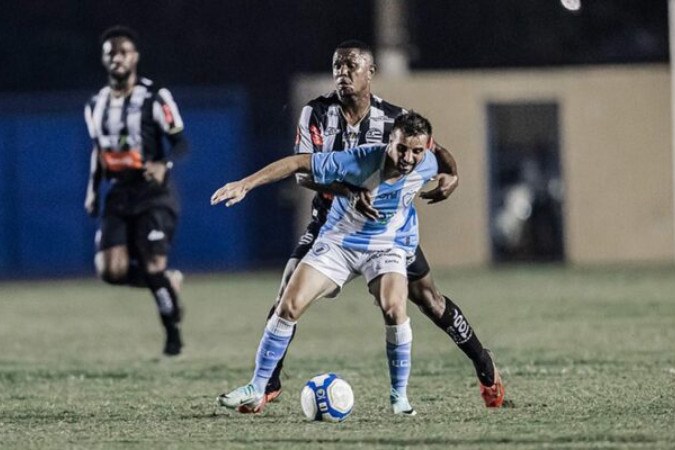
(153, 233)
(291, 265)
(306, 285)
(386, 275)
(112, 257)
(390, 291)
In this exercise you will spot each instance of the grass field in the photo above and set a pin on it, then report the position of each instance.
(588, 357)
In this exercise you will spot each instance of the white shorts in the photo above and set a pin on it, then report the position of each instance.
(342, 265)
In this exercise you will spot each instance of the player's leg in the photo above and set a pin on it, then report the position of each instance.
(449, 317)
(273, 388)
(386, 276)
(112, 257)
(154, 233)
(112, 261)
(306, 285)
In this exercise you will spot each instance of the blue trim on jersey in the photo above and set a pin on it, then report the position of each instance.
(363, 167)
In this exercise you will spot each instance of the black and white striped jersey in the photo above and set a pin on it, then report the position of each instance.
(323, 128)
(129, 131)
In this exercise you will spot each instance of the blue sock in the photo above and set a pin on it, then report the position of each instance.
(272, 347)
(399, 346)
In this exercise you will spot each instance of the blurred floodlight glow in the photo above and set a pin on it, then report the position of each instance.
(571, 5)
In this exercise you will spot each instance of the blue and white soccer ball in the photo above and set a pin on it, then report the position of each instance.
(327, 398)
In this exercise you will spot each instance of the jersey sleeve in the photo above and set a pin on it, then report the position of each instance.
(308, 138)
(351, 166)
(428, 168)
(165, 112)
(89, 120)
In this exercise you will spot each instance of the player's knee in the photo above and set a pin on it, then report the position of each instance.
(424, 294)
(288, 310)
(113, 274)
(394, 313)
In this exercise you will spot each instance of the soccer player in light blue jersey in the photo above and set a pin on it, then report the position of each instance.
(350, 244)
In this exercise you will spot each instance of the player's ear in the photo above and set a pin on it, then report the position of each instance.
(371, 70)
(431, 143)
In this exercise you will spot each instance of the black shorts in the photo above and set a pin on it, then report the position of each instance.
(146, 234)
(418, 267)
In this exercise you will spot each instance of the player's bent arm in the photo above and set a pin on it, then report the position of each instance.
(235, 192)
(448, 178)
(446, 162)
(95, 175)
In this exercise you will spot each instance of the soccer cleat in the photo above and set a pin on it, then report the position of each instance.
(244, 396)
(493, 396)
(174, 343)
(271, 394)
(401, 405)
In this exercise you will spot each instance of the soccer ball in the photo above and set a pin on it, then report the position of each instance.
(327, 398)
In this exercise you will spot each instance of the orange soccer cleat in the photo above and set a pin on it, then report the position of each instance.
(493, 396)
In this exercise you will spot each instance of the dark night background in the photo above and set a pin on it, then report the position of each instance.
(53, 45)
(256, 46)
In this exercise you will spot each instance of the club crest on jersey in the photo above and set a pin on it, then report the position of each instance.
(374, 136)
(408, 198)
(320, 248)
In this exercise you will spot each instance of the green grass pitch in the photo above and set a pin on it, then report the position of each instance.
(588, 357)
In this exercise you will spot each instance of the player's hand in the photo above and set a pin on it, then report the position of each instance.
(363, 202)
(232, 192)
(446, 185)
(91, 204)
(155, 171)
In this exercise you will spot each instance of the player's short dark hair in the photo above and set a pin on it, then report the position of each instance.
(355, 43)
(120, 31)
(412, 124)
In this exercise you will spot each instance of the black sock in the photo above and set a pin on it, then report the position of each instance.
(455, 324)
(136, 276)
(165, 298)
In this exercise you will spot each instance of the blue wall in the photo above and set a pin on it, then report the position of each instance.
(44, 159)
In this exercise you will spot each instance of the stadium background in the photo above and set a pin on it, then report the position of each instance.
(239, 69)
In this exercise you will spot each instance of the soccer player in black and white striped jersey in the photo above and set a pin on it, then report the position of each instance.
(351, 115)
(129, 121)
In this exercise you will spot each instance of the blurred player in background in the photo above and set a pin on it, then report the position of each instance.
(128, 122)
(350, 244)
(351, 116)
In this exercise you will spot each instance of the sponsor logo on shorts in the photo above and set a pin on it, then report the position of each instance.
(156, 235)
(410, 259)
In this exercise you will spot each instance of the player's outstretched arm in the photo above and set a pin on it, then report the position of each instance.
(235, 191)
(448, 178)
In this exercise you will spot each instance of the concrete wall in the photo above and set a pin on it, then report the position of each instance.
(615, 128)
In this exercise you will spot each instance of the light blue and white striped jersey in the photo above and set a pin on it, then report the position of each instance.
(363, 166)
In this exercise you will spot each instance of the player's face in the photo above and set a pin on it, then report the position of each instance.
(119, 57)
(352, 72)
(408, 151)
